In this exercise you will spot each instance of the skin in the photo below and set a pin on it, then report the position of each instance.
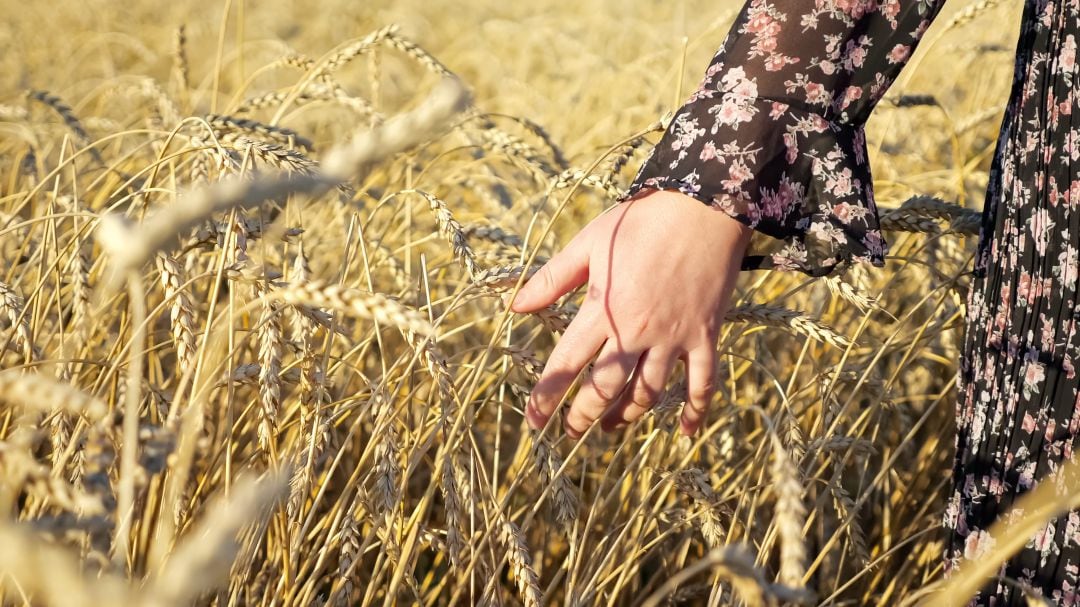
(660, 270)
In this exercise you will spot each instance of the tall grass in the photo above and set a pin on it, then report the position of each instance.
(254, 350)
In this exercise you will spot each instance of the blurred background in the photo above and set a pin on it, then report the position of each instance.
(589, 71)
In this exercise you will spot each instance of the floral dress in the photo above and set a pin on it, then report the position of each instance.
(774, 138)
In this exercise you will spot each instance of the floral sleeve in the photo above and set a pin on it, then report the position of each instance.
(774, 135)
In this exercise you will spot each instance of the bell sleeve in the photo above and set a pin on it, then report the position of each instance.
(774, 134)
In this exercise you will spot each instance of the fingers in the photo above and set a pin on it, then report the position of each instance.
(568, 269)
(644, 390)
(575, 348)
(600, 388)
(700, 387)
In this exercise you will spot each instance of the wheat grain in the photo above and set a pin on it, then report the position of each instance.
(270, 351)
(355, 303)
(180, 58)
(564, 496)
(232, 126)
(11, 307)
(181, 310)
(64, 111)
(789, 319)
(521, 569)
(790, 516)
(452, 230)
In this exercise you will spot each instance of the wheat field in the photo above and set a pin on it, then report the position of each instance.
(254, 350)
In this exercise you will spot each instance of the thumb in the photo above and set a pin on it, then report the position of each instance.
(565, 271)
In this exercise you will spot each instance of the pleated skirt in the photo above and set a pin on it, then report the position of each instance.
(1017, 413)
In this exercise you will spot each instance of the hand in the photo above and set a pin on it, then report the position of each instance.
(660, 268)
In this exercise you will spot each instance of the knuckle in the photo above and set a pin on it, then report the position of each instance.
(701, 393)
(644, 396)
(577, 421)
(604, 389)
(558, 361)
(547, 276)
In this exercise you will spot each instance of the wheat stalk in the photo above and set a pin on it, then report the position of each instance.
(203, 560)
(39, 393)
(355, 303)
(797, 322)
(270, 351)
(181, 310)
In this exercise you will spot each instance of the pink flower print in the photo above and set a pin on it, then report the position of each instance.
(737, 174)
(850, 94)
(1046, 284)
(1069, 264)
(840, 184)
(1070, 147)
(856, 53)
(827, 232)
(776, 62)
(1028, 425)
(890, 8)
(1027, 476)
(1067, 61)
(733, 77)
(708, 151)
(746, 88)
(995, 487)
(1044, 539)
(757, 22)
(1072, 197)
(1072, 528)
(772, 206)
(1046, 335)
(729, 112)
(789, 193)
(1023, 287)
(854, 8)
(815, 94)
(778, 109)
(899, 53)
(1034, 373)
(977, 544)
(842, 211)
(686, 132)
(1041, 224)
(952, 511)
(827, 67)
(792, 150)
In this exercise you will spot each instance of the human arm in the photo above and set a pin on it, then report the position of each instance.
(771, 141)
